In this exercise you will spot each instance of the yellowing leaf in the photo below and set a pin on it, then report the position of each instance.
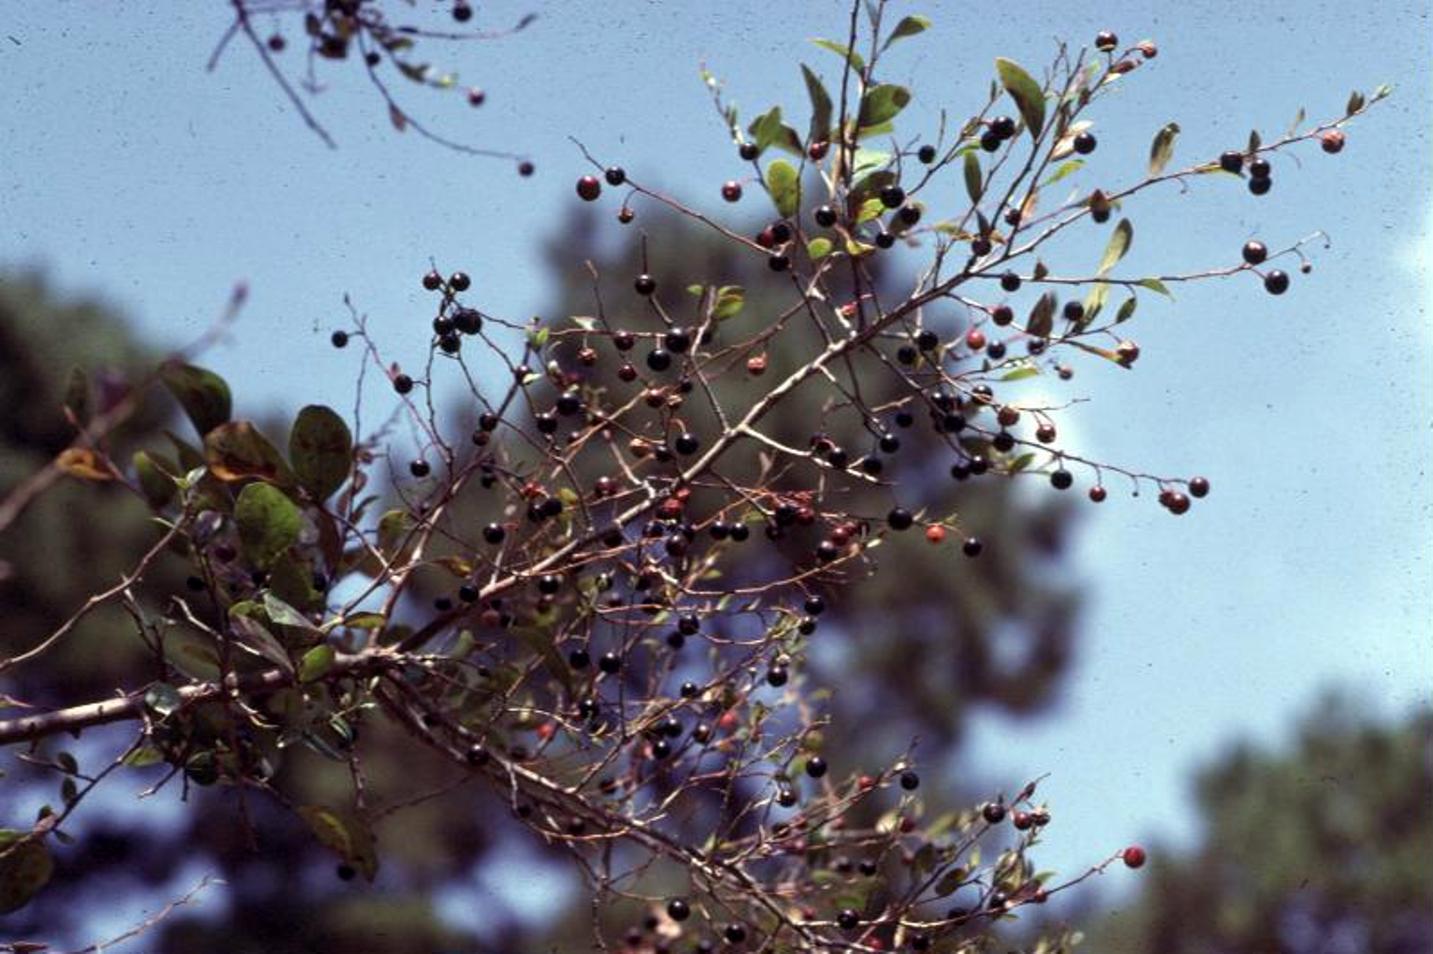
(84, 463)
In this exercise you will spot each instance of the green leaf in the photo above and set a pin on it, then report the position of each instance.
(1118, 245)
(950, 882)
(1126, 311)
(785, 187)
(1355, 103)
(344, 834)
(316, 663)
(841, 50)
(244, 618)
(154, 480)
(871, 209)
(268, 522)
(973, 177)
(1069, 167)
(237, 451)
(882, 103)
(1021, 373)
(1029, 97)
(25, 868)
(1042, 316)
(281, 613)
(820, 106)
(818, 248)
(143, 756)
(203, 395)
(393, 527)
(1015, 466)
(868, 160)
(909, 26)
(1094, 302)
(729, 302)
(321, 450)
(162, 699)
(1154, 284)
(1162, 148)
(765, 129)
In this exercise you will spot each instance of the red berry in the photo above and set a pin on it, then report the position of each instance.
(1332, 140)
(935, 533)
(1097, 494)
(588, 188)
(817, 150)
(731, 191)
(975, 339)
(1133, 856)
(1106, 41)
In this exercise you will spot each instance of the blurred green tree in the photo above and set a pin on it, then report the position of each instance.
(1321, 849)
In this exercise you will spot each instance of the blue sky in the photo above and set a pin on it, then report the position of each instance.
(127, 171)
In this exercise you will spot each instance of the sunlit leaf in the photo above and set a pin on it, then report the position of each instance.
(841, 50)
(1118, 245)
(818, 248)
(765, 130)
(1029, 97)
(909, 26)
(268, 522)
(973, 179)
(785, 187)
(316, 663)
(882, 103)
(730, 299)
(1064, 169)
(1162, 148)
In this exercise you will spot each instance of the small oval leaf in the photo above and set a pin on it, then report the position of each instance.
(320, 450)
(203, 395)
(268, 522)
(1029, 97)
(1162, 148)
(785, 187)
(1118, 245)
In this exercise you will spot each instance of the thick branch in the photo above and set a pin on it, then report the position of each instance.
(131, 706)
